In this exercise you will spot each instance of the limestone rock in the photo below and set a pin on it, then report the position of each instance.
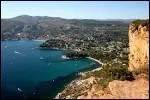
(138, 47)
(137, 89)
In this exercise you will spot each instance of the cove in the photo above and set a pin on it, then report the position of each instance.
(29, 72)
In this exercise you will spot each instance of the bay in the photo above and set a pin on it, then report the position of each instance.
(28, 71)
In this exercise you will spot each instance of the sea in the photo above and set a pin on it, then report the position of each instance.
(29, 72)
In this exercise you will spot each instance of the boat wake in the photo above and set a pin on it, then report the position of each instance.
(41, 58)
(19, 53)
(35, 48)
(64, 57)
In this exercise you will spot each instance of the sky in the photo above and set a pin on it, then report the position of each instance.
(77, 9)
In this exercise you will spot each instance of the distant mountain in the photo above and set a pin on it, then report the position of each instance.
(44, 25)
(27, 18)
(122, 20)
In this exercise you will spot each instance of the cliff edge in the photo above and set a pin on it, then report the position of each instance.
(139, 45)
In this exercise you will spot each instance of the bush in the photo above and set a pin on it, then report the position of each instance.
(143, 23)
(99, 54)
(73, 54)
(113, 72)
(140, 70)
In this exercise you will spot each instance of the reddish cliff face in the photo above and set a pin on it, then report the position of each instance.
(139, 45)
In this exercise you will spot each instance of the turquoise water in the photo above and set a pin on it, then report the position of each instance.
(33, 70)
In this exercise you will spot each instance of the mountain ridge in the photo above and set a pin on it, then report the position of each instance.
(23, 16)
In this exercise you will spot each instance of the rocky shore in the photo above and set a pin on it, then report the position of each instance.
(90, 88)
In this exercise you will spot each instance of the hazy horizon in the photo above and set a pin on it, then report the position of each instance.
(97, 10)
(74, 18)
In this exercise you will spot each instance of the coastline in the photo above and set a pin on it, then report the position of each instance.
(97, 69)
(77, 80)
(93, 70)
(95, 60)
(39, 40)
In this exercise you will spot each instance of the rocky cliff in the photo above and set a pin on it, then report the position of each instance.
(138, 44)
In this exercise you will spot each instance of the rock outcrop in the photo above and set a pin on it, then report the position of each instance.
(137, 89)
(138, 45)
(90, 89)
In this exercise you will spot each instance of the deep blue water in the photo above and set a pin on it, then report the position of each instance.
(39, 73)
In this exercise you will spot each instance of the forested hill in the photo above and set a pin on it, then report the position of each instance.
(44, 27)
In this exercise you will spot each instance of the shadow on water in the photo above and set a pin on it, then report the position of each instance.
(45, 90)
(49, 89)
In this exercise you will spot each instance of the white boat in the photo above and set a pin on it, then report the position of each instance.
(19, 53)
(19, 89)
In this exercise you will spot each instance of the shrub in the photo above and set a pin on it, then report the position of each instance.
(143, 23)
(74, 54)
(113, 72)
(140, 70)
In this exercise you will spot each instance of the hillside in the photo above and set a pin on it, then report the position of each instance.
(44, 27)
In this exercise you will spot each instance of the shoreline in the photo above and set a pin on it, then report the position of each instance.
(95, 60)
(96, 69)
(39, 40)
(82, 74)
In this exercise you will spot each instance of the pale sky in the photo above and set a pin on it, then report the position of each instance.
(77, 9)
